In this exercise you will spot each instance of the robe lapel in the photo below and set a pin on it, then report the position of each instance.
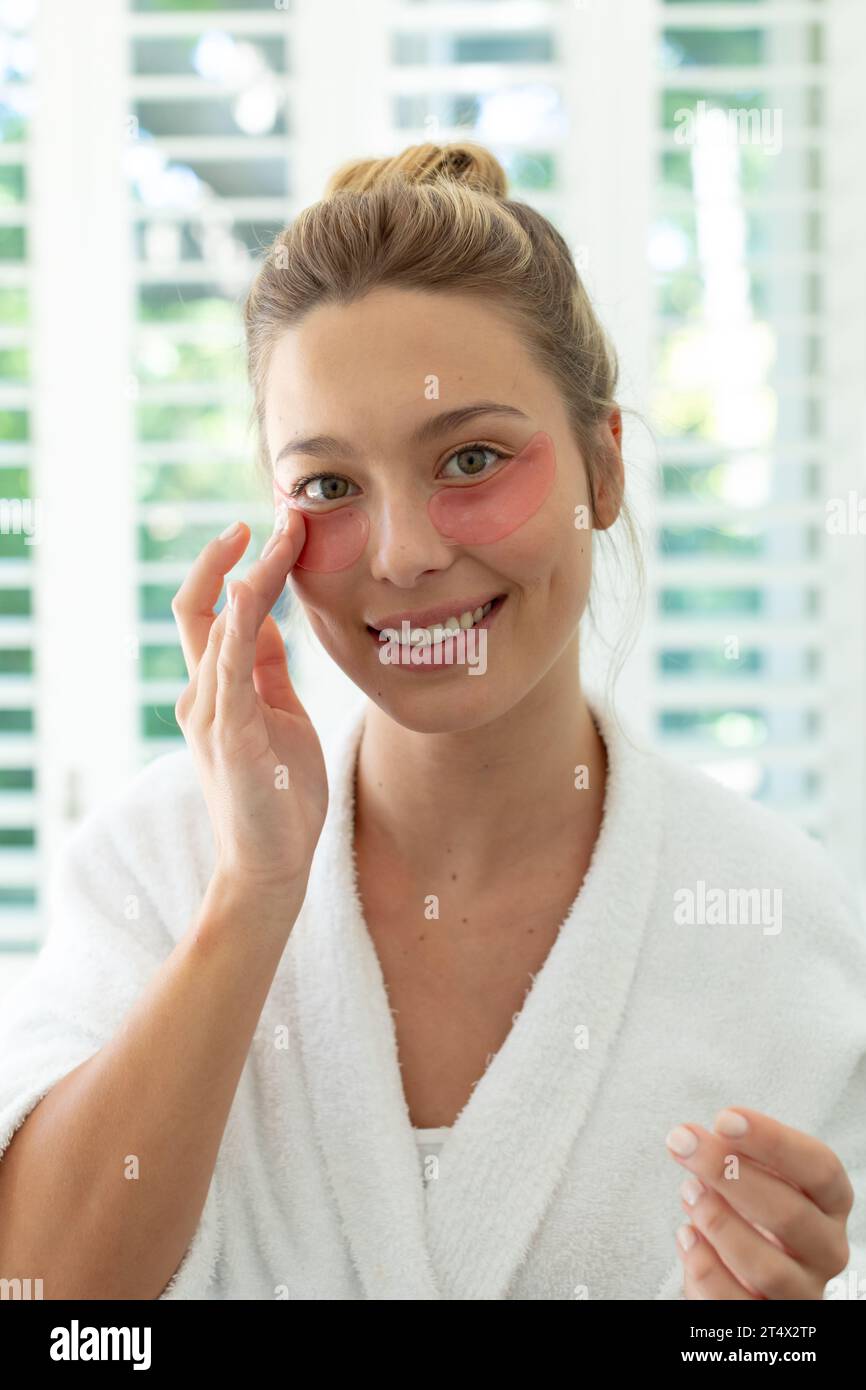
(506, 1154)
(466, 1235)
(350, 1059)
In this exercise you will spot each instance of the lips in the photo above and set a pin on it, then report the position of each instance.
(451, 663)
(376, 634)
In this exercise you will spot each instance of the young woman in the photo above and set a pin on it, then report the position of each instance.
(628, 1003)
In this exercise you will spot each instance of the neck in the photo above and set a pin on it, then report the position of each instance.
(502, 794)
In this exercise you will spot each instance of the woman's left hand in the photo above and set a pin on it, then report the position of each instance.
(767, 1213)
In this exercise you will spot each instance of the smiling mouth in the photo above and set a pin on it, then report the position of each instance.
(446, 626)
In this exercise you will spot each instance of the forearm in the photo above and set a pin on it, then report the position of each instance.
(102, 1187)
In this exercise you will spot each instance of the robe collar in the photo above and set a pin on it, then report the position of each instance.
(466, 1234)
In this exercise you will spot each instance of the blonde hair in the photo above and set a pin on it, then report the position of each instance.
(438, 218)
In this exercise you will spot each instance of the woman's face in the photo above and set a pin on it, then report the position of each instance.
(348, 391)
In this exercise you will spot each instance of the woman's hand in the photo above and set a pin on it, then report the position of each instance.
(768, 1207)
(257, 753)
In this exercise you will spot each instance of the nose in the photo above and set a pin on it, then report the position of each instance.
(404, 544)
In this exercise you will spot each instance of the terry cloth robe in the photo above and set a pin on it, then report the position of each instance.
(554, 1182)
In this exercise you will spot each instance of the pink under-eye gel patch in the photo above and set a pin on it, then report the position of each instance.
(491, 510)
(335, 540)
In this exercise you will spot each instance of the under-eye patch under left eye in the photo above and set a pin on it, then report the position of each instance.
(490, 510)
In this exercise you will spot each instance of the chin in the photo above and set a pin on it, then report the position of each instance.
(431, 714)
(435, 702)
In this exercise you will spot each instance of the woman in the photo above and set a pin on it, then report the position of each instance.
(479, 910)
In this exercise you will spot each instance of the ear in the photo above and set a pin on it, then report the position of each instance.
(610, 478)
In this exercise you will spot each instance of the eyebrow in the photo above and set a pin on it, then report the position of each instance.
(328, 446)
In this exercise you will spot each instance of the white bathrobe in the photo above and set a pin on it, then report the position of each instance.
(555, 1182)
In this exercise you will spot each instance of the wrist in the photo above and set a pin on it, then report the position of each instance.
(246, 918)
(234, 889)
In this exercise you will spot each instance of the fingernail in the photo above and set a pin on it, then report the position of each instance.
(231, 530)
(691, 1190)
(230, 596)
(730, 1123)
(281, 516)
(686, 1237)
(682, 1141)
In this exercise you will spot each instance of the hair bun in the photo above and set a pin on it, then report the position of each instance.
(465, 163)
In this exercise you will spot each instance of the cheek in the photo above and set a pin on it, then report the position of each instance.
(328, 604)
(488, 512)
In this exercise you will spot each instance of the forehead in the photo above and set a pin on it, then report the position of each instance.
(385, 357)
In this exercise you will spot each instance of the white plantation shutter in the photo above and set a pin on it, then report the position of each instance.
(19, 517)
(752, 669)
(211, 180)
(492, 73)
(169, 149)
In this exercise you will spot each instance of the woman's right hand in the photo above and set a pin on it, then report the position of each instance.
(257, 753)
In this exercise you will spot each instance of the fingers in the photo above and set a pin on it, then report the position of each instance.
(798, 1157)
(244, 654)
(759, 1196)
(203, 687)
(704, 1274)
(234, 695)
(193, 604)
(250, 662)
(760, 1266)
(271, 671)
(267, 576)
(251, 657)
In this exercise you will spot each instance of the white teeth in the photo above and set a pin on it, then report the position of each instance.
(438, 631)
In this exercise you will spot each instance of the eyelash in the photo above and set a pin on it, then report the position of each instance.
(297, 488)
